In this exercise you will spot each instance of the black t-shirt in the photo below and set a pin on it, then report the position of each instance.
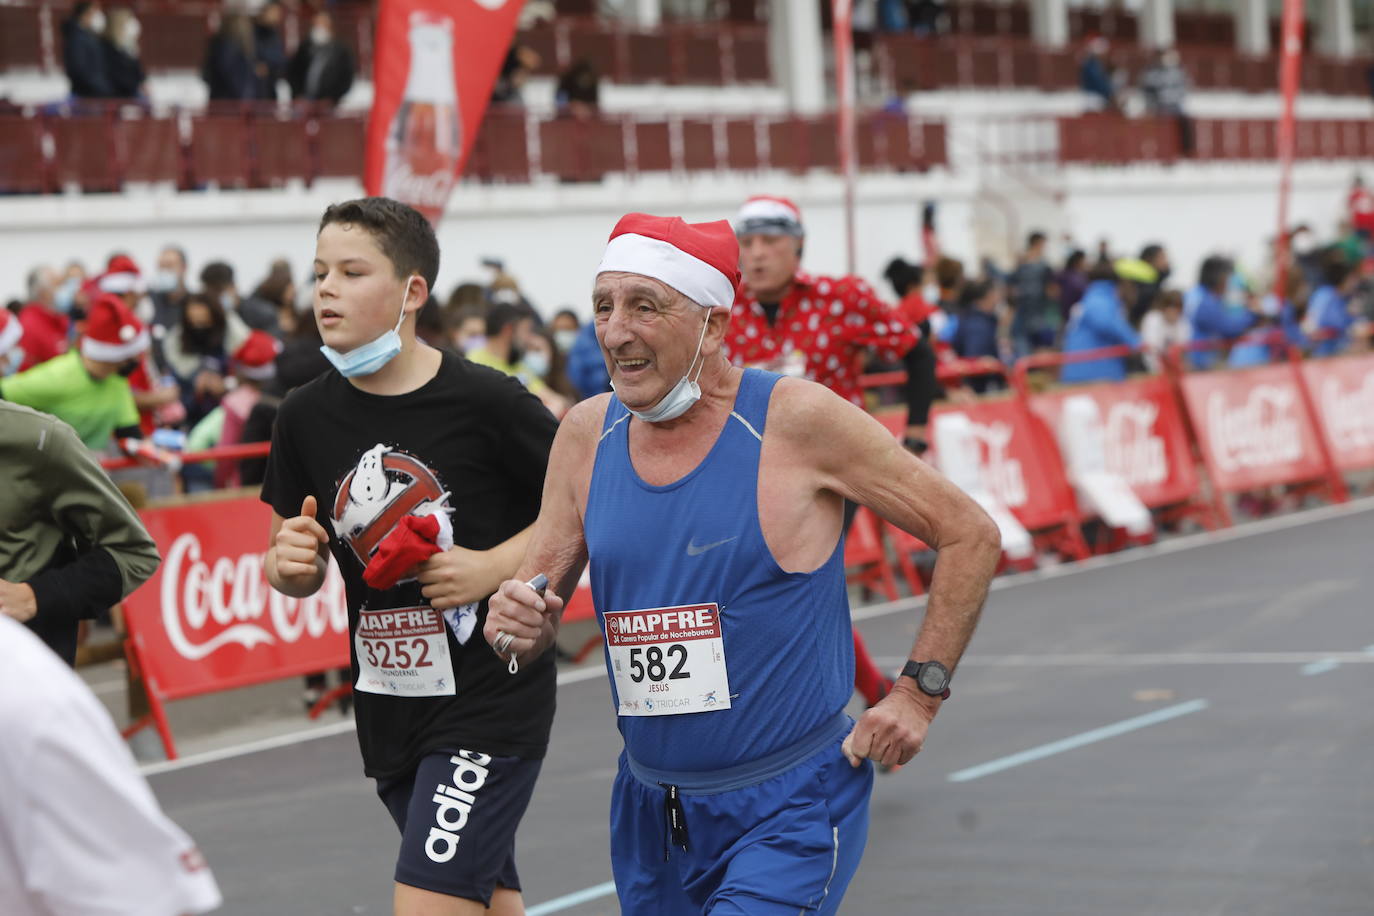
(474, 441)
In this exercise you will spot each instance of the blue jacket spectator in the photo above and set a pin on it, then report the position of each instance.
(1095, 77)
(586, 366)
(83, 55)
(1098, 321)
(974, 333)
(1329, 317)
(1256, 348)
(1211, 317)
(1330, 320)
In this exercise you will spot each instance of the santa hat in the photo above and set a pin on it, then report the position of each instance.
(10, 331)
(765, 215)
(121, 276)
(112, 334)
(256, 358)
(699, 260)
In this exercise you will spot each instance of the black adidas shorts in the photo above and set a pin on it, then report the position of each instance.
(458, 811)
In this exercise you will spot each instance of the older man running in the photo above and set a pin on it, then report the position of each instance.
(709, 499)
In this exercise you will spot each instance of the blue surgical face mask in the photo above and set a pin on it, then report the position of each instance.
(474, 343)
(11, 361)
(65, 295)
(536, 363)
(565, 339)
(164, 281)
(373, 355)
(682, 395)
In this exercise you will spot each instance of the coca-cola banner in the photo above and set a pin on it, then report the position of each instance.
(1021, 469)
(1253, 427)
(208, 620)
(436, 61)
(1342, 390)
(1146, 441)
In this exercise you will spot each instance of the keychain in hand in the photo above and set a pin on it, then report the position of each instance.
(539, 583)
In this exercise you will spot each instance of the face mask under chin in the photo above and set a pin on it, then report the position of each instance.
(370, 357)
(681, 396)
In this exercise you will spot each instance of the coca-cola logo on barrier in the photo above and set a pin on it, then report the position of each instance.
(208, 606)
(1262, 431)
(1133, 450)
(1349, 412)
(1002, 473)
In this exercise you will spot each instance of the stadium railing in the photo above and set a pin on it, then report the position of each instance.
(175, 35)
(909, 62)
(105, 146)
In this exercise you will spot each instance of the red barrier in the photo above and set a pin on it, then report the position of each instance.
(208, 621)
(1022, 472)
(1256, 428)
(1342, 391)
(1147, 441)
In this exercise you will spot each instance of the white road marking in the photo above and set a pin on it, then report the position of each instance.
(594, 671)
(1147, 659)
(1076, 741)
(568, 901)
(1324, 665)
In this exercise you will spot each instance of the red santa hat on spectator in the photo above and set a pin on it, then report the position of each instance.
(113, 334)
(766, 215)
(256, 357)
(699, 260)
(121, 276)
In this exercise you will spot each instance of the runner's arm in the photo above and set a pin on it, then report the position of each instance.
(557, 545)
(861, 461)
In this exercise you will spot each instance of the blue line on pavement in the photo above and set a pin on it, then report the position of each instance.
(1321, 666)
(568, 901)
(1077, 741)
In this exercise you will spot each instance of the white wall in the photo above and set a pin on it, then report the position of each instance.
(551, 236)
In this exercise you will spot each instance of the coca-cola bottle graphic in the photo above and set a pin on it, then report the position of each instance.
(424, 140)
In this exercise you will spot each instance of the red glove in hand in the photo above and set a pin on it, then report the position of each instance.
(410, 543)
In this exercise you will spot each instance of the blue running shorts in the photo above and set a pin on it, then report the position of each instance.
(789, 844)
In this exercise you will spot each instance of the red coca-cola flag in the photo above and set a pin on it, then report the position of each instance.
(436, 61)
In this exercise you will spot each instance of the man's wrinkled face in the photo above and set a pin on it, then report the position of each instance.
(648, 334)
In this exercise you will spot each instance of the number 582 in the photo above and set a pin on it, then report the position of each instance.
(649, 663)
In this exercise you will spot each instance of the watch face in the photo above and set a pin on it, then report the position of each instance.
(933, 678)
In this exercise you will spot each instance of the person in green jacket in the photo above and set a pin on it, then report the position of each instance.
(70, 545)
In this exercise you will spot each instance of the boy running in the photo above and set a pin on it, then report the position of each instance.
(403, 451)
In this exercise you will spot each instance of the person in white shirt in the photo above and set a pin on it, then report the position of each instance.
(1162, 327)
(80, 831)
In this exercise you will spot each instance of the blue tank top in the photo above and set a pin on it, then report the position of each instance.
(786, 636)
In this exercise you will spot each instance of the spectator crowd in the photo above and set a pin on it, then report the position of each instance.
(246, 58)
(155, 360)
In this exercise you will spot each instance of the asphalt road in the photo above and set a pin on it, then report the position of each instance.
(1186, 732)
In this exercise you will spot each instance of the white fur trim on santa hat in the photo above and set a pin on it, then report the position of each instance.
(120, 283)
(258, 373)
(650, 257)
(768, 213)
(10, 333)
(115, 352)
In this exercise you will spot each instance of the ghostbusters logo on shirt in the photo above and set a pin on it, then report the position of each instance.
(384, 487)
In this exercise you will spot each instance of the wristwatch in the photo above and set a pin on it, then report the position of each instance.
(931, 677)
